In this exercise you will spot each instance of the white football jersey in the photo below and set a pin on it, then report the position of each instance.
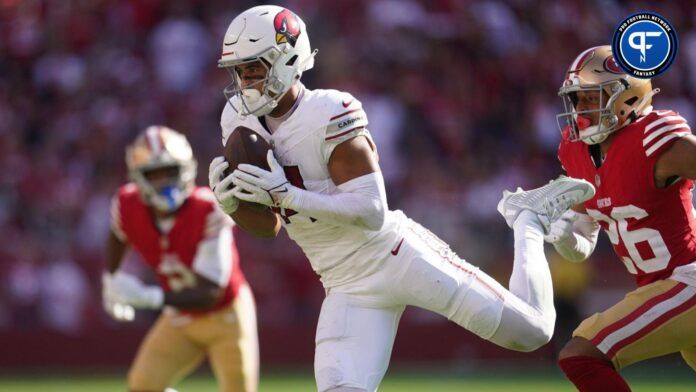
(303, 144)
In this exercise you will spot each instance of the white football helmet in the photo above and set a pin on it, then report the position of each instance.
(275, 37)
(159, 147)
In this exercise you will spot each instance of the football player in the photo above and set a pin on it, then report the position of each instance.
(642, 162)
(325, 187)
(178, 229)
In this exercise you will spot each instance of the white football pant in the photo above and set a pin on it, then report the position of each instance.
(358, 321)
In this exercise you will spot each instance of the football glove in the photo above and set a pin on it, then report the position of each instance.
(118, 311)
(225, 197)
(256, 185)
(561, 229)
(129, 290)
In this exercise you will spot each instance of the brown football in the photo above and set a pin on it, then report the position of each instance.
(246, 146)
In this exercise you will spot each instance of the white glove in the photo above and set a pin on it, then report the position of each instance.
(562, 229)
(129, 290)
(118, 311)
(225, 197)
(256, 185)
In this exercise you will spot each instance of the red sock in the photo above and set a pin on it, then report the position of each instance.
(591, 374)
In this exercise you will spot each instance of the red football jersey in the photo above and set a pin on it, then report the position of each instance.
(652, 229)
(172, 255)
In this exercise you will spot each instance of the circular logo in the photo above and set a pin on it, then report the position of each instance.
(645, 45)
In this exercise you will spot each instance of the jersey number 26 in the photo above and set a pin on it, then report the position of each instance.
(617, 229)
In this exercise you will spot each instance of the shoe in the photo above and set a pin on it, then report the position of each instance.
(549, 202)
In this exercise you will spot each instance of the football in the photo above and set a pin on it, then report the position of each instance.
(246, 146)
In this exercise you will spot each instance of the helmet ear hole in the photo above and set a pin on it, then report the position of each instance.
(291, 61)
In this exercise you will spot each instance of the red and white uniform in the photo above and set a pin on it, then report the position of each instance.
(653, 230)
(371, 276)
(199, 241)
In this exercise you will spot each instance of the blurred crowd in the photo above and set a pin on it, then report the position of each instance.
(460, 95)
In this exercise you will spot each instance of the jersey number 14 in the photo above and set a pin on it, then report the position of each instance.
(292, 173)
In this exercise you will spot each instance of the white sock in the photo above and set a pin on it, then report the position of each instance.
(531, 278)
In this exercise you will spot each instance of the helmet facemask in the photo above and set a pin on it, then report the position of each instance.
(578, 121)
(163, 150)
(248, 100)
(168, 194)
(622, 98)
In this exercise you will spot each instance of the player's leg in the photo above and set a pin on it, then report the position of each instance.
(521, 318)
(353, 343)
(652, 321)
(431, 276)
(165, 356)
(232, 341)
(529, 316)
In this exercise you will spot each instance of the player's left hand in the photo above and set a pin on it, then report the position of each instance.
(261, 186)
(128, 289)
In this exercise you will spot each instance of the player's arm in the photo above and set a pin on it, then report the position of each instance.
(116, 246)
(204, 295)
(353, 167)
(262, 223)
(678, 161)
(115, 250)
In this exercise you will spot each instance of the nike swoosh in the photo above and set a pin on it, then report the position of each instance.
(254, 40)
(346, 104)
(396, 249)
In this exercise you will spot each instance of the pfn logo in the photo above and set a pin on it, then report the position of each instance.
(645, 45)
(642, 46)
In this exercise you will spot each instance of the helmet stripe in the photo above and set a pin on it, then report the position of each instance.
(153, 137)
(572, 71)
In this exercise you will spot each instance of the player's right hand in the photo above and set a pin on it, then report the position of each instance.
(562, 229)
(224, 195)
(117, 310)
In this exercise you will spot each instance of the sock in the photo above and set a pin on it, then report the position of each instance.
(590, 374)
(531, 278)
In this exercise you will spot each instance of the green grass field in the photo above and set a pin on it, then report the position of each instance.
(642, 380)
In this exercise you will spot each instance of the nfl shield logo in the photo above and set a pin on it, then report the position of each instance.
(597, 180)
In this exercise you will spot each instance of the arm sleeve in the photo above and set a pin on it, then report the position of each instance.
(213, 259)
(361, 202)
(580, 245)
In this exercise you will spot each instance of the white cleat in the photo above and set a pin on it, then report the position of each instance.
(549, 202)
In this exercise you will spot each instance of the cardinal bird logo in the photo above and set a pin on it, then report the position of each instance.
(287, 27)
